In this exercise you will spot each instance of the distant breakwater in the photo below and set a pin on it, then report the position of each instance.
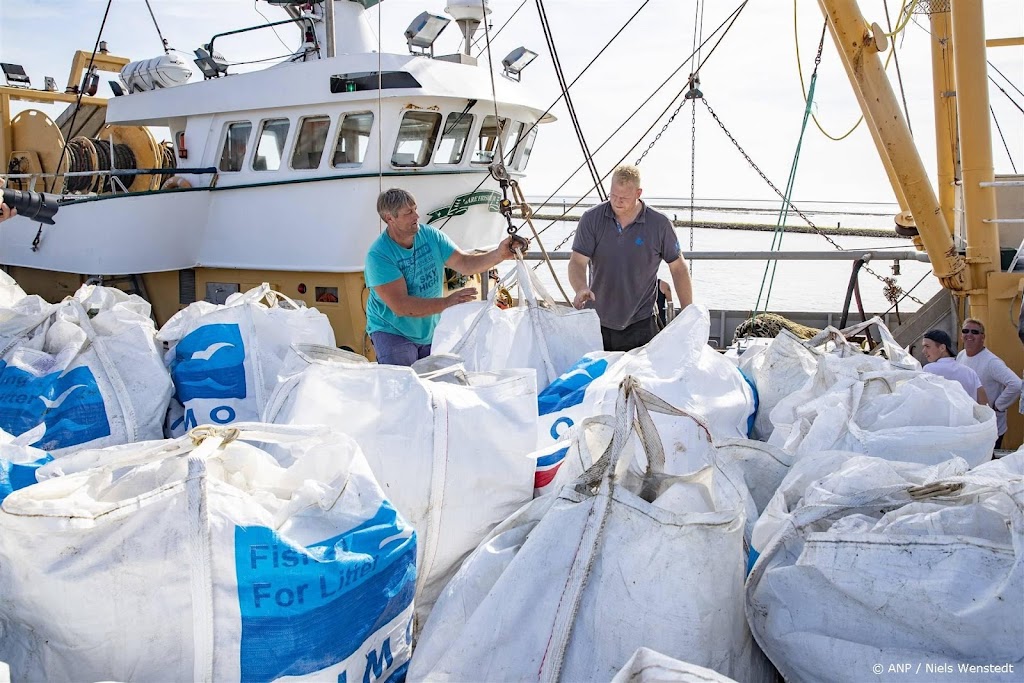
(758, 227)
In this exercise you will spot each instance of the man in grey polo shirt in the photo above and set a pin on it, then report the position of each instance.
(624, 241)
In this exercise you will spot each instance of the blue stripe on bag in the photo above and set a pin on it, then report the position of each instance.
(306, 609)
(752, 419)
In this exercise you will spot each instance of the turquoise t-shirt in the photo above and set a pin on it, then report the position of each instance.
(423, 270)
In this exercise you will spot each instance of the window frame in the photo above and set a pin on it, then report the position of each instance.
(429, 142)
(502, 122)
(337, 137)
(224, 141)
(298, 137)
(459, 116)
(285, 144)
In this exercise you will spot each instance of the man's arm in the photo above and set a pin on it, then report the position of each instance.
(471, 264)
(578, 279)
(395, 295)
(1011, 386)
(681, 279)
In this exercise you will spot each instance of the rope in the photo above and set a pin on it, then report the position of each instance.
(693, 170)
(776, 190)
(803, 87)
(1006, 79)
(902, 24)
(71, 126)
(591, 165)
(494, 92)
(780, 226)
(503, 27)
(730, 20)
(559, 98)
(163, 41)
(1013, 101)
(899, 74)
(380, 116)
(1001, 137)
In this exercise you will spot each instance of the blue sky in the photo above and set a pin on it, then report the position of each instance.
(751, 80)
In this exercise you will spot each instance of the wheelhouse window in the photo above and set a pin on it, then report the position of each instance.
(526, 148)
(353, 139)
(514, 136)
(235, 141)
(270, 147)
(416, 138)
(487, 142)
(454, 138)
(310, 143)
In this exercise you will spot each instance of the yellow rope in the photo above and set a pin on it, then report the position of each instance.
(888, 58)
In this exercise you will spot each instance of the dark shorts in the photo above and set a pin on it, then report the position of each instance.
(636, 335)
(392, 349)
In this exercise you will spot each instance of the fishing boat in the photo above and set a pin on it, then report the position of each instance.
(269, 176)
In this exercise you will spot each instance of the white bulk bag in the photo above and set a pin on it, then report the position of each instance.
(10, 292)
(535, 334)
(224, 359)
(249, 553)
(677, 365)
(571, 585)
(788, 363)
(87, 368)
(883, 565)
(648, 666)
(903, 415)
(452, 457)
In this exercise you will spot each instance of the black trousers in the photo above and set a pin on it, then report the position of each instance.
(637, 334)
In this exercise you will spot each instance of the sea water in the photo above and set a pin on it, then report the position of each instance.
(798, 285)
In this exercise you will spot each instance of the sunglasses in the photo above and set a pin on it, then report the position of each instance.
(967, 331)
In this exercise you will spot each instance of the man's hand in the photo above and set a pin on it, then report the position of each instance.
(6, 211)
(582, 297)
(510, 244)
(461, 296)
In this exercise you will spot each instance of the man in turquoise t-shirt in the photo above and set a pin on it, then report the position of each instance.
(405, 275)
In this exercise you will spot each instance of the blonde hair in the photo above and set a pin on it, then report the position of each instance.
(626, 174)
(977, 322)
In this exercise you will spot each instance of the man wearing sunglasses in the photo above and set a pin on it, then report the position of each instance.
(1002, 386)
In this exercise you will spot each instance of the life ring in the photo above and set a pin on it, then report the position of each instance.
(176, 182)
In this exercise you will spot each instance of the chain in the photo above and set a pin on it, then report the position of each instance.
(693, 170)
(500, 173)
(792, 206)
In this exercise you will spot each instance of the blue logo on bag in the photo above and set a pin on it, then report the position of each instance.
(306, 609)
(14, 476)
(209, 363)
(69, 404)
(569, 389)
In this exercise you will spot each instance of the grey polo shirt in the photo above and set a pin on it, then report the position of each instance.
(624, 261)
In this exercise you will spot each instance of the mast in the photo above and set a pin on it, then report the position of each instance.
(975, 150)
(860, 48)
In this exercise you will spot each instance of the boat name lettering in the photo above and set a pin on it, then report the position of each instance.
(462, 203)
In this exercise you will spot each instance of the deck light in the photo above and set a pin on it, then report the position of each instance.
(16, 76)
(212, 66)
(516, 61)
(424, 30)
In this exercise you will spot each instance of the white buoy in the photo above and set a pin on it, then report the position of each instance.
(165, 71)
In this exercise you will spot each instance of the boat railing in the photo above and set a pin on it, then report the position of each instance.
(114, 174)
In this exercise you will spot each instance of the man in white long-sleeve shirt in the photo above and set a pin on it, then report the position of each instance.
(1002, 386)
